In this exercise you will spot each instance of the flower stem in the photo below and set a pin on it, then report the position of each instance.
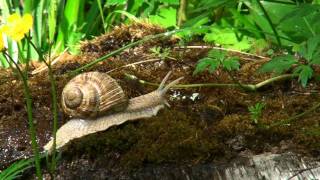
(32, 129)
(54, 102)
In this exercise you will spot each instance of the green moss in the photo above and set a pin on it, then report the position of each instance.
(236, 124)
(169, 137)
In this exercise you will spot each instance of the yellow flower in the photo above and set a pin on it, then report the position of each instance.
(17, 26)
(1, 40)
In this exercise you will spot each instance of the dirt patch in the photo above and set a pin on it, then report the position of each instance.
(203, 124)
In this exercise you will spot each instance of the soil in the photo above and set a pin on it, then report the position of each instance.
(203, 125)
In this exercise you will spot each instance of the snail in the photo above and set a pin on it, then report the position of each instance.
(97, 102)
(92, 94)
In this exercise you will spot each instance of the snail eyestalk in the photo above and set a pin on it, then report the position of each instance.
(170, 85)
(164, 88)
(164, 81)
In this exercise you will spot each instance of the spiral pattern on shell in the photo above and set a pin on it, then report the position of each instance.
(92, 94)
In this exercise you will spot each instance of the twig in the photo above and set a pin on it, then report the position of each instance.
(135, 63)
(221, 48)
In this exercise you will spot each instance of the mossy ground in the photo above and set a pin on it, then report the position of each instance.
(214, 127)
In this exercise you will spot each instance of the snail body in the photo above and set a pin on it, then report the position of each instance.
(143, 106)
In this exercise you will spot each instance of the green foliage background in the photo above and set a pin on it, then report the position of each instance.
(254, 26)
(234, 24)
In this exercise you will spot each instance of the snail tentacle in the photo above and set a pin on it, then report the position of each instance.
(164, 81)
(166, 88)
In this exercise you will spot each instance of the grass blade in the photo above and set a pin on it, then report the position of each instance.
(15, 169)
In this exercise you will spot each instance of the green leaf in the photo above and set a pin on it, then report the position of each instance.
(228, 38)
(217, 54)
(15, 170)
(295, 23)
(256, 111)
(166, 17)
(68, 19)
(312, 46)
(207, 5)
(246, 23)
(279, 64)
(316, 59)
(302, 10)
(52, 19)
(203, 64)
(197, 21)
(305, 73)
(231, 63)
(171, 2)
(133, 6)
(73, 38)
(310, 49)
(115, 2)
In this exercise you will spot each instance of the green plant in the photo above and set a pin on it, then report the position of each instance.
(256, 111)
(310, 53)
(17, 28)
(162, 53)
(216, 59)
(235, 24)
(15, 169)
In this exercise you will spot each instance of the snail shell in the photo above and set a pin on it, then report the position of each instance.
(92, 94)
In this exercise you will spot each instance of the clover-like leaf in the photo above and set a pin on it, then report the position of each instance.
(310, 48)
(279, 64)
(217, 54)
(231, 63)
(256, 111)
(305, 73)
(312, 44)
(316, 59)
(206, 63)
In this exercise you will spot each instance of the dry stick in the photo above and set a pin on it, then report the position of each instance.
(139, 62)
(249, 87)
(220, 48)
